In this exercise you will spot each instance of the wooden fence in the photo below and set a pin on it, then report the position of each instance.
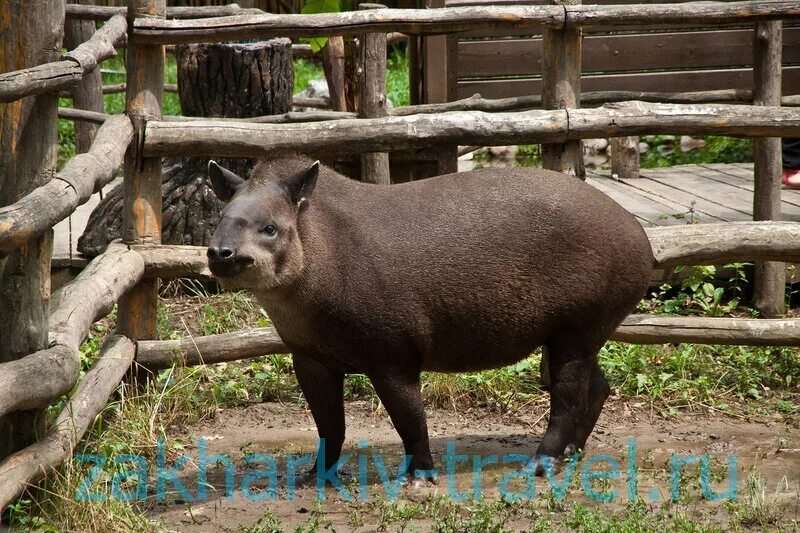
(128, 272)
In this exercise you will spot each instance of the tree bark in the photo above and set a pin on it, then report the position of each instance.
(214, 80)
(28, 136)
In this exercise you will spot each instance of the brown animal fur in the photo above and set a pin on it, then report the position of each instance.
(462, 272)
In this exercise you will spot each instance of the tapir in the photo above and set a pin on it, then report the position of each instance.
(456, 273)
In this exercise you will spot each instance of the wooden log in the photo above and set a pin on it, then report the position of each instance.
(174, 261)
(41, 209)
(141, 212)
(236, 139)
(372, 63)
(57, 74)
(31, 464)
(638, 329)
(28, 154)
(87, 94)
(90, 12)
(561, 88)
(333, 62)
(649, 329)
(39, 378)
(770, 277)
(408, 21)
(709, 244)
(210, 349)
(624, 157)
(705, 13)
(456, 19)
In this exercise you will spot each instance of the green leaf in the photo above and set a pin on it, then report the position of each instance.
(314, 7)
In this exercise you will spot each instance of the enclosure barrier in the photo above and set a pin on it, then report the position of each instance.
(456, 19)
(54, 201)
(52, 76)
(127, 272)
(228, 138)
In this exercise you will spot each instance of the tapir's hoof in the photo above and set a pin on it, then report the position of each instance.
(309, 477)
(420, 480)
(544, 463)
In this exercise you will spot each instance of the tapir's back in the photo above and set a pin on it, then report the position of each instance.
(465, 271)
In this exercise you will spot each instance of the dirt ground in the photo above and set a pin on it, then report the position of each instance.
(772, 447)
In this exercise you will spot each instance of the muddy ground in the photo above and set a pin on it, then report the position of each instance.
(770, 445)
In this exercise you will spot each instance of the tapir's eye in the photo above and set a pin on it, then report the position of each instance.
(269, 229)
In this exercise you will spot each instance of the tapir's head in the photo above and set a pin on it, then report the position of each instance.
(257, 244)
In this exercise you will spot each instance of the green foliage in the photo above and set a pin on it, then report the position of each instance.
(664, 152)
(699, 293)
(314, 7)
(306, 70)
(397, 89)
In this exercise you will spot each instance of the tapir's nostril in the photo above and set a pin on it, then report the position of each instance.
(219, 253)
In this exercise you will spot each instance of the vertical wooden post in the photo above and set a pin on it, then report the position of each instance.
(88, 93)
(561, 88)
(438, 56)
(770, 277)
(333, 63)
(624, 153)
(141, 214)
(28, 137)
(372, 78)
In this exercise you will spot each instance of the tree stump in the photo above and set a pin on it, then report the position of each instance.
(214, 80)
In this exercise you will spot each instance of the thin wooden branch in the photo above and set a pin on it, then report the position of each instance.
(210, 349)
(75, 11)
(53, 76)
(237, 139)
(83, 175)
(121, 87)
(649, 329)
(38, 378)
(706, 244)
(33, 463)
(408, 21)
(456, 19)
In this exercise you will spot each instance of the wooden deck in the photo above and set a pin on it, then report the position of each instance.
(661, 197)
(691, 194)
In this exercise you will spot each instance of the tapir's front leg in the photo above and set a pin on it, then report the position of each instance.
(323, 388)
(399, 390)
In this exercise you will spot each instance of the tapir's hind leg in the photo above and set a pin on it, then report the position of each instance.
(598, 393)
(577, 392)
(569, 391)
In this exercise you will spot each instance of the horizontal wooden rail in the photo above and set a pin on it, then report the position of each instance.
(210, 349)
(31, 464)
(227, 138)
(658, 329)
(705, 244)
(638, 329)
(88, 12)
(53, 76)
(37, 379)
(455, 19)
(84, 174)
(473, 103)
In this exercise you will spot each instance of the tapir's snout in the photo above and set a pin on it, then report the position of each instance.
(225, 262)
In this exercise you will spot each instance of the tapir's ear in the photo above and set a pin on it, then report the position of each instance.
(302, 185)
(223, 181)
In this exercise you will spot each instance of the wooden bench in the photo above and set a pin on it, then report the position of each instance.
(674, 59)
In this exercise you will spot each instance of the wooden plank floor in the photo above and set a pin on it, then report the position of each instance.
(661, 197)
(691, 193)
